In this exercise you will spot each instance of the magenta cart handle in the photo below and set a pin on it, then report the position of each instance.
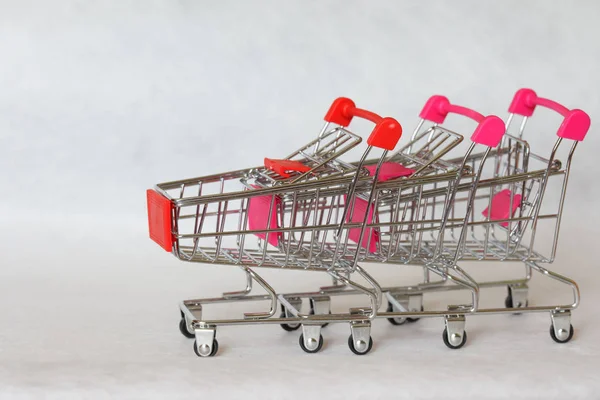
(489, 130)
(575, 125)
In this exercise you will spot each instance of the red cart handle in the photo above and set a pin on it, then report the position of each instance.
(387, 131)
(575, 125)
(489, 130)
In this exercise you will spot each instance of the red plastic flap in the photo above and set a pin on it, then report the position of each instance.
(159, 219)
(283, 166)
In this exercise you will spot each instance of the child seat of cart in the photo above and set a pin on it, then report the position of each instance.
(502, 207)
(388, 171)
(264, 212)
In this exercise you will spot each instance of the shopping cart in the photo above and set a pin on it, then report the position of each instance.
(295, 222)
(496, 218)
(391, 213)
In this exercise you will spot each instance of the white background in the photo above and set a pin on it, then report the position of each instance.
(101, 100)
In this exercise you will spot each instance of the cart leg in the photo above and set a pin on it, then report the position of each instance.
(454, 334)
(561, 329)
(311, 340)
(320, 305)
(193, 311)
(517, 296)
(296, 303)
(206, 344)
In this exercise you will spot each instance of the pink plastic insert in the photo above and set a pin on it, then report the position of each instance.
(501, 206)
(358, 215)
(388, 170)
(258, 217)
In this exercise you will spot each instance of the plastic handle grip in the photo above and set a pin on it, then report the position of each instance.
(387, 131)
(575, 125)
(489, 131)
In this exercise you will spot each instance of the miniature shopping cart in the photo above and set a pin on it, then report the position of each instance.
(312, 211)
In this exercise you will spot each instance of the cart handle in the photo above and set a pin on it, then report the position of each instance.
(489, 131)
(387, 131)
(575, 125)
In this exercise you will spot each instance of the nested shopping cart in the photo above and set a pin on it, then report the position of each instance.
(403, 210)
(493, 213)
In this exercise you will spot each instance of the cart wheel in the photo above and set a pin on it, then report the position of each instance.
(184, 329)
(215, 348)
(508, 302)
(289, 327)
(557, 340)
(317, 349)
(409, 319)
(450, 345)
(357, 351)
(312, 312)
(396, 320)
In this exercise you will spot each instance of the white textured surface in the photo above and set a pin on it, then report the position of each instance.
(99, 102)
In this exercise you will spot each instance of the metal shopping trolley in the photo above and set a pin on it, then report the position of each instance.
(295, 223)
(495, 215)
(214, 219)
(389, 213)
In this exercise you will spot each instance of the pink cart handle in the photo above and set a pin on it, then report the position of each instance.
(387, 131)
(489, 131)
(575, 125)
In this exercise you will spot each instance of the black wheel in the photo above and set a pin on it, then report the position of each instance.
(215, 348)
(557, 340)
(312, 312)
(396, 320)
(355, 351)
(508, 302)
(409, 319)
(316, 350)
(450, 345)
(184, 329)
(288, 327)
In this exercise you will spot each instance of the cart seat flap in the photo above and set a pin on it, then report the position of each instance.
(284, 167)
(370, 237)
(390, 170)
(502, 207)
(159, 219)
(259, 210)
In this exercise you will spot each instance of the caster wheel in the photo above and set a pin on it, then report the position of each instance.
(215, 348)
(557, 340)
(454, 345)
(315, 350)
(287, 327)
(415, 319)
(360, 352)
(184, 329)
(397, 320)
(508, 302)
(312, 312)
